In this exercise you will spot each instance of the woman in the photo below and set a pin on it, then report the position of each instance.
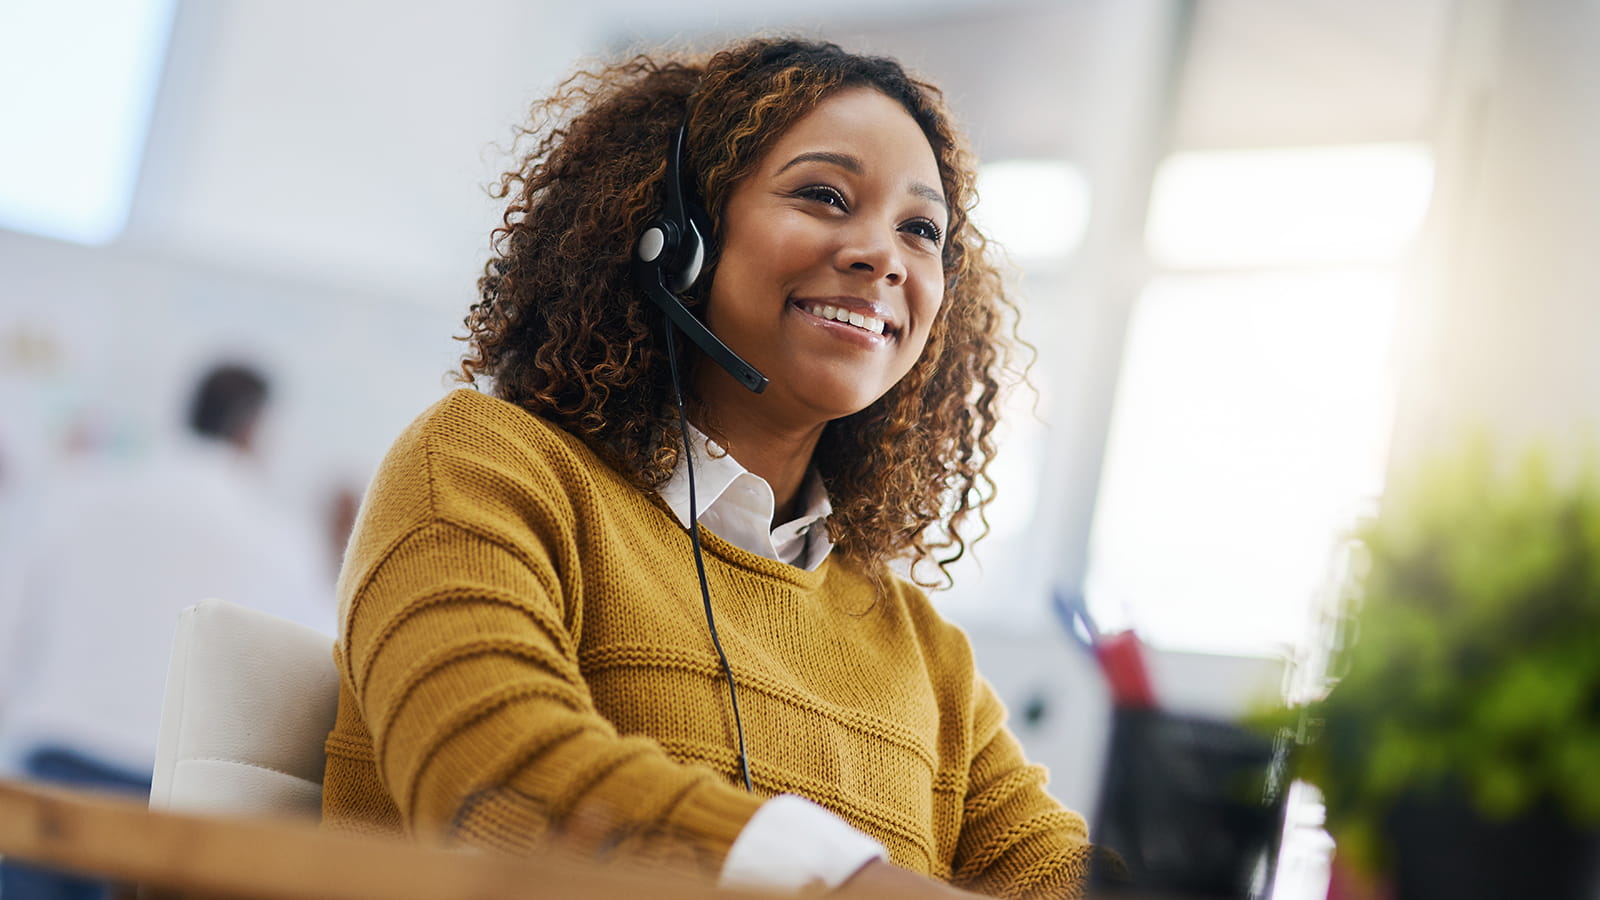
(528, 652)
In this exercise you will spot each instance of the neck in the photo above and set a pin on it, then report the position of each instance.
(781, 456)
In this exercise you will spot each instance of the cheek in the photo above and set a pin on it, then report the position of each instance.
(759, 257)
(923, 348)
(928, 344)
(930, 310)
(733, 278)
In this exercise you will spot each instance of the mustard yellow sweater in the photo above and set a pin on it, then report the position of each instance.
(524, 658)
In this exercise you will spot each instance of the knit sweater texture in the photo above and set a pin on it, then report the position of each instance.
(524, 660)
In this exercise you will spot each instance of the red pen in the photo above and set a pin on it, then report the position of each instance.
(1121, 658)
(1120, 655)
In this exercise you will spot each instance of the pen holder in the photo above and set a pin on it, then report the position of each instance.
(1191, 805)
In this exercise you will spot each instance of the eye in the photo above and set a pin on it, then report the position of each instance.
(822, 193)
(924, 228)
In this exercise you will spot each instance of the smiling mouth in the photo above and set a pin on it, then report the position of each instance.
(870, 324)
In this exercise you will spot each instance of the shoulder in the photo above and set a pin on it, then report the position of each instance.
(919, 604)
(475, 460)
(469, 432)
(466, 422)
(907, 609)
(474, 470)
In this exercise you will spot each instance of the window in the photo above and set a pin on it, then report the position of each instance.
(1251, 419)
(77, 85)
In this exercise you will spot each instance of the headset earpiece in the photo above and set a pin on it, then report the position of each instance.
(674, 242)
(692, 253)
(668, 258)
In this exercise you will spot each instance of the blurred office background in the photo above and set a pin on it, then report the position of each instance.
(1269, 252)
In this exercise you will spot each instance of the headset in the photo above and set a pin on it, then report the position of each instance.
(667, 260)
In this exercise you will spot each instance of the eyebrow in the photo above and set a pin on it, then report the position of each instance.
(852, 164)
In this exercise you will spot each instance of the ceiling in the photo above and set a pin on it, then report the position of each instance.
(1267, 72)
(348, 144)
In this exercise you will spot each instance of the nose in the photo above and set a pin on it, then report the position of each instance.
(872, 250)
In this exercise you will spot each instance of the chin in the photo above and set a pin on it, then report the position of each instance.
(833, 408)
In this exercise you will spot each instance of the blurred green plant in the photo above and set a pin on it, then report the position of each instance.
(1476, 663)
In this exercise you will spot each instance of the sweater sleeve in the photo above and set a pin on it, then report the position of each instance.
(1016, 840)
(460, 654)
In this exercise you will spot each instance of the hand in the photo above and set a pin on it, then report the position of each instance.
(881, 878)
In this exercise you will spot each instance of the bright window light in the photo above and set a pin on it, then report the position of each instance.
(1250, 429)
(1036, 209)
(78, 80)
(1293, 206)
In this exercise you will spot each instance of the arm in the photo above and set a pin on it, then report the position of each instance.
(461, 656)
(1016, 840)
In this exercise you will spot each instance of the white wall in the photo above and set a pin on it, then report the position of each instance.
(1502, 337)
(344, 144)
(111, 341)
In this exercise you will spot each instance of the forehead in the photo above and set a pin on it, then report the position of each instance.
(864, 123)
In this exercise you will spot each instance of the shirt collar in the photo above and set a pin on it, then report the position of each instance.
(737, 505)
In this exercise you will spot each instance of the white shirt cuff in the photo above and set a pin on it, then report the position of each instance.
(791, 844)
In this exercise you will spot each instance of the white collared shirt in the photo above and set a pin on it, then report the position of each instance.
(738, 505)
(790, 843)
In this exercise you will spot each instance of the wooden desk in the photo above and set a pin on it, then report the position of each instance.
(199, 856)
(176, 855)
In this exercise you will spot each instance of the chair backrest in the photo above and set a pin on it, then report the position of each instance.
(250, 699)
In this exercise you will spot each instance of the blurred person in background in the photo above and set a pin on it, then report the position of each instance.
(99, 582)
(526, 654)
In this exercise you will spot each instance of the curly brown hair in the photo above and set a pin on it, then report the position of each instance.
(562, 331)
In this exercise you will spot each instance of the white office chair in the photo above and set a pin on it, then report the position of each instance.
(250, 699)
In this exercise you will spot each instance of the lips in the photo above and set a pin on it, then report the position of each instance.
(858, 314)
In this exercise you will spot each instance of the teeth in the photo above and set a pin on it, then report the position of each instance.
(864, 322)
